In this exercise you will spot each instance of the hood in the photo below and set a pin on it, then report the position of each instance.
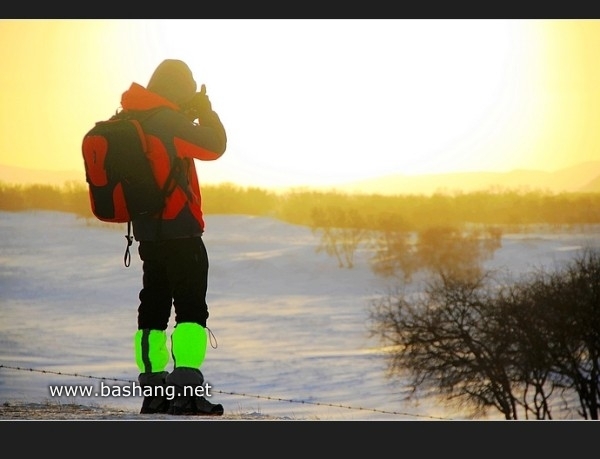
(174, 81)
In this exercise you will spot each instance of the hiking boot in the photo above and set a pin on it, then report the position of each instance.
(155, 405)
(195, 406)
(185, 378)
(157, 402)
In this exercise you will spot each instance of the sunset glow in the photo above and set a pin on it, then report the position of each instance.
(319, 102)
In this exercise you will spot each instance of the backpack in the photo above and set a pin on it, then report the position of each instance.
(120, 179)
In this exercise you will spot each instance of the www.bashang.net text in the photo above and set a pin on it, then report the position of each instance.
(126, 390)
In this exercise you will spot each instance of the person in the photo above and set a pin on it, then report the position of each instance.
(170, 245)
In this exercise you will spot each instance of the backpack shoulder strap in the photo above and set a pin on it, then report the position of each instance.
(136, 117)
(173, 179)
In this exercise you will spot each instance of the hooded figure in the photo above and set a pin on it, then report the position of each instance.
(175, 260)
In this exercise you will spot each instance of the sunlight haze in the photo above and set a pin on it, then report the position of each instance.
(319, 102)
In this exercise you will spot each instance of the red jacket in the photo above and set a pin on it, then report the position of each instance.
(171, 134)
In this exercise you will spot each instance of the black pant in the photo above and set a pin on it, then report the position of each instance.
(175, 273)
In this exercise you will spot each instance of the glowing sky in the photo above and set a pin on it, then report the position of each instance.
(313, 102)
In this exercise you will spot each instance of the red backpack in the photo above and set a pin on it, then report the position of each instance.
(120, 179)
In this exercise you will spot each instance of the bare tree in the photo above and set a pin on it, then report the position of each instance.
(449, 340)
(535, 382)
(531, 348)
(394, 248)
(450, 251)
(342, 230)
(456, 252)
(568, 308)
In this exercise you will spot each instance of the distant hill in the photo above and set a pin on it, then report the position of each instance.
(593, 186)
(583, 177)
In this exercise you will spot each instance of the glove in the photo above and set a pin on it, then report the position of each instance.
(198, 105)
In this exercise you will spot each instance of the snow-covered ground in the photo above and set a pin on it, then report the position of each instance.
(291, 327)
